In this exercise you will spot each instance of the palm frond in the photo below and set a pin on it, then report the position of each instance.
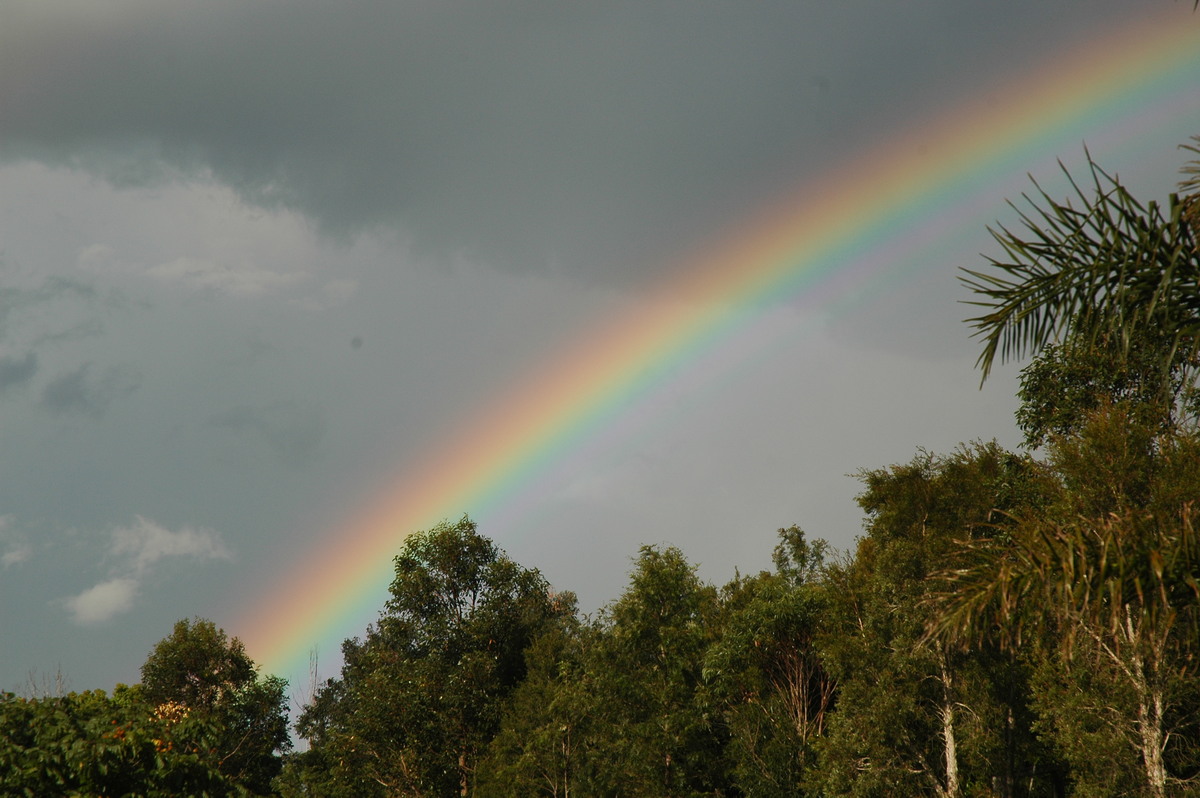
(1097, 263)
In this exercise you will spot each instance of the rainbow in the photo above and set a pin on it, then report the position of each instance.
(863, 212)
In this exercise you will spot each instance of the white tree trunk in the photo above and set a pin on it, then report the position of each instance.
(949, 742)
(1150, 723)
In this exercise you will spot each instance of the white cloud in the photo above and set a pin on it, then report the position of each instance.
(146, 542)
(100, 258)
(137, 548)
(339, 292)
(16, 548)
(102, 602)
(16, 554)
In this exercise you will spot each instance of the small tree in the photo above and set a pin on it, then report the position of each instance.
(201, 671)
(197, 665)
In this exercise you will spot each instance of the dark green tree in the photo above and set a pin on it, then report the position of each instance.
(541, 747)
(912, 717)
(765, 672)
(651, 732)
(197, 665)
(1104, 581)
(1068, 381)
(421, 697)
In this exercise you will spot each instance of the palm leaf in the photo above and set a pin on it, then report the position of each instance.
(1098, 263)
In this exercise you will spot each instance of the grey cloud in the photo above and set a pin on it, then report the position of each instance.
(15, 371)
(293, 433)
(79, 392)
(14, 299)
(88, 328)
(209, 277)
(580, 135)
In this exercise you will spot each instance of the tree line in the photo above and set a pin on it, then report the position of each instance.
(1010, 623)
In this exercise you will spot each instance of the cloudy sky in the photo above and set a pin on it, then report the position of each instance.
(259, 258)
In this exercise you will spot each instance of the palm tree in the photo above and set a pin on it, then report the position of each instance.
(1101, 264)
(1110, 573)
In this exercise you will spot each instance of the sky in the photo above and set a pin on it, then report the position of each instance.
(269, 268)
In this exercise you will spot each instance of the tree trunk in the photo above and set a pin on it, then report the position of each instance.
(1150, 723)
(1144, 667)
(950, 743)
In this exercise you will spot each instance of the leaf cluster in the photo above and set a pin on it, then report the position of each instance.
(95, 744)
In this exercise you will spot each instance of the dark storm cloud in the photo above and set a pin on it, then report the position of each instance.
(15, 371)
(79, 392)
(524, 133)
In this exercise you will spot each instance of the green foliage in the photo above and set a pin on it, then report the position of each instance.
(186, 732)
(93, 744)
(1146, 375)
(1103, 581)
(200, 669)
(421, 697)
(619, 707)
(798, 559)
(197, 665)
(541, 747)
(1070, 716)
(650, 731)
(909, 715)
(765, 674)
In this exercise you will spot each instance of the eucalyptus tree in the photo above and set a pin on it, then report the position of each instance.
(1104, 580)
(542, 745)
(915, 716)
(1101, 581)
(766, 675)
(420, 698)
(650, 732)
